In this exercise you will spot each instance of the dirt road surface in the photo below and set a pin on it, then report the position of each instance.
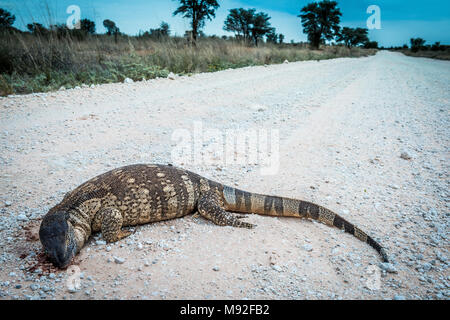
(366, 137)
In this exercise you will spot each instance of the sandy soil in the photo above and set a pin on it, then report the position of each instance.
(343, 126)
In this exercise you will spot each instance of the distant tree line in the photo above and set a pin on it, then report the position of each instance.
(419, 44)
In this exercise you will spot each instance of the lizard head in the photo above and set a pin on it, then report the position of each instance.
(58, 239)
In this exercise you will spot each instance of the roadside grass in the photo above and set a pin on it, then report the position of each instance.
(33, 63)
(441, 54)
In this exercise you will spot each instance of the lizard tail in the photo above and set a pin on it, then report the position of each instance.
(245, 202)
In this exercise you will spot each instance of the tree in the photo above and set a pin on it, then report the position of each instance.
(320, 21)
(345, 36)
(198, 11)
(37, 29)
(437, 46)
(111, 28)
(60, 30)
(162, 32)
(87, 26)
(6, 19)
(280, 38)
(353, 36)
(249, 25)
(164, 28)
(272, 36)
(240, 21)
(360, 36)
(261, 26)
(371, 45)
(417, 44)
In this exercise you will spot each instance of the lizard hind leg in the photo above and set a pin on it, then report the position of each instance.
(112, 225)
(210, 207)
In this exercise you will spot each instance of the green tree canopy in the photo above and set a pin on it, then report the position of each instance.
(272, 36)
(417, 44)
(87, 26)
(197, 11)
(320, 21)
(6, 18)
(162, 32)
(249, 25)
(437, 46)
(111, 27)
(261, 26)
(37, 28)
(164, 28)
(371, 45)
(239, 21)
(353, 36)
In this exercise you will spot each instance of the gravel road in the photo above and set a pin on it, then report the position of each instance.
(366, 137)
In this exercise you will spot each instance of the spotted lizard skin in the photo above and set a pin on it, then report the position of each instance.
(145, 193)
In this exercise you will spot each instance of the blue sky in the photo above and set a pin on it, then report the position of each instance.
(400, 19)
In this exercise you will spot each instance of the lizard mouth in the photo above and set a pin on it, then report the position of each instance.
(61, 261)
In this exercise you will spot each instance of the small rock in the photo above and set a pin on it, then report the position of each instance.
(258, 107)
(388, 267)
(399, 297)
(119, 260)
(426, 267)
(286, 61)
(277, 268)
(22, 217)
(171, 76)
(72, 290)
(46, 289)
(34, 287)
(307, 247)
(216, 268)
(128, 80)
(405, 156)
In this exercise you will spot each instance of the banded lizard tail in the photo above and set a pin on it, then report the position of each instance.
(140, 194)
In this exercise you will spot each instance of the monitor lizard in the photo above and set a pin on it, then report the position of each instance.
(145, 193)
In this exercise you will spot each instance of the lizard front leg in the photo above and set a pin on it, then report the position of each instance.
(112, 225)
(209, 207)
